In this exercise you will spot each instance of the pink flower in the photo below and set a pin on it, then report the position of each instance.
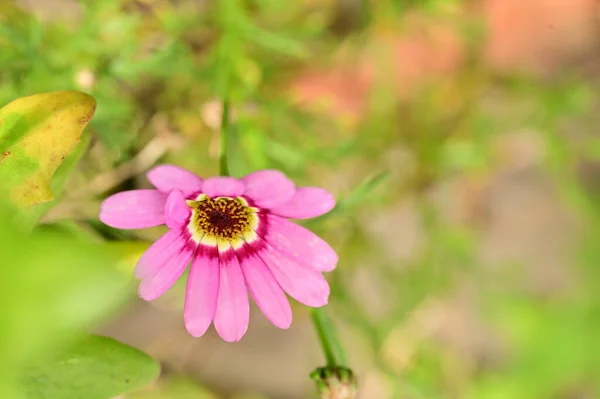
(235, 234)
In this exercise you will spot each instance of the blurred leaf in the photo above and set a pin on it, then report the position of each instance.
(33, 214)
(292, 158)
(542, 364)
(364, 189)
(592, 148)
(355, 197)
(52, 287)
(272, 41)
(462, 154)
(37, 133)
(247, 148)
(253, 142)
(248, 75)
(69, 228)
(94, 368)
(128, 253)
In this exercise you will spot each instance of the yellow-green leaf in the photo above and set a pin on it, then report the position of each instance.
(36, 134)
(29, 217)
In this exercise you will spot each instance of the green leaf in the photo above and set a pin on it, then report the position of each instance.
(94, 368)
(53, 287)
(36, 135)
(275, 42)
(364, 189)
(291, 157)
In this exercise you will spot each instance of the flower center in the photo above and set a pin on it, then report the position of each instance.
(221, 218)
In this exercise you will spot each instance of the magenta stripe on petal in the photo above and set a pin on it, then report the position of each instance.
(170, 177)
(202, 292)
(223, 187)
(159, 253)
(308, 202)
(305, 285)
(176, 210)
(299, 244)
(233, 308)
(135, 209)
(268, 188)
(158, 283)
(265, 291)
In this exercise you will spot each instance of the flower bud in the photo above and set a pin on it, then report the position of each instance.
(335, 382)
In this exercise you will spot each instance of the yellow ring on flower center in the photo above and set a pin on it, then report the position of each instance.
(222, 221)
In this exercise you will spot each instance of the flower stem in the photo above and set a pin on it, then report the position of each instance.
(332, 349)
(223, 165)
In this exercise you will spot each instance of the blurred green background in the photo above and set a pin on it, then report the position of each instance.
(459, 136)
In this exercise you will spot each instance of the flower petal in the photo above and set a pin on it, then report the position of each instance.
(308, 202)
(233, 308)
(170, 177)
(268, 188)
(159, 253)
(223, 187)
(154, 285)
(299, 244)
(136, 209)
(265, 290)
(176, 210)
(201, 292)
(305, 285)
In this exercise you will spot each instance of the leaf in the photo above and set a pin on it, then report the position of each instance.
(36, 135)
(94, 368)
(53, 286)
(291, 157)
(357, 196)
(275, 42)
(364, 189)
(32, 215)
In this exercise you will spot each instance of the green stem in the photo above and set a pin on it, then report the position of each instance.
(332, 349)
(223, 165)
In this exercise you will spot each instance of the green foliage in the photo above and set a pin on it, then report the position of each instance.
(95, 368)
(540, 368)
(60, 284)
(157, 67)
(53, 286)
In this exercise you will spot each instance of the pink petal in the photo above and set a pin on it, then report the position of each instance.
(268, 188)
(155, 285)
(233, 308)
(176, 210)
(308, 202)
(159, 253)
(170, 177)
(201, 293)
(223, 187)
(266, 292)
(305, 285)
(299, 244)
(135, 209)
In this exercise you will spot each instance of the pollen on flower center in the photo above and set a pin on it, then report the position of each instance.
(221, 219)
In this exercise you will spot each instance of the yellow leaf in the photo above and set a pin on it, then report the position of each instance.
(36, 134)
